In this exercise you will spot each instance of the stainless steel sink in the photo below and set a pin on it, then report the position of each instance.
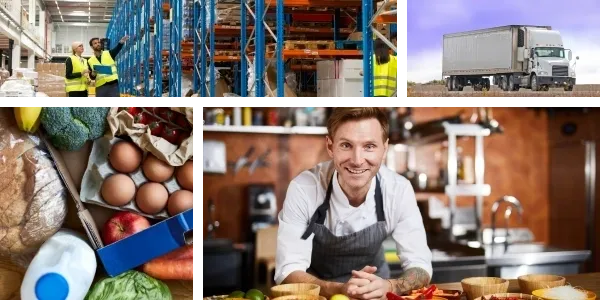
(524, 248)
(532, 253)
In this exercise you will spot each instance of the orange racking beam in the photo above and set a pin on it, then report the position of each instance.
(320, 53)
(317, 3)
(386, 19)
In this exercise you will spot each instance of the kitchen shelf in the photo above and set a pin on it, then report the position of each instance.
(310, 130)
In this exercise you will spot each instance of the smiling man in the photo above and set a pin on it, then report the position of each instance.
(336, 216)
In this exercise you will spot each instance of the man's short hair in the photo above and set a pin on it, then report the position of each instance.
(92, 41)
(342, 115)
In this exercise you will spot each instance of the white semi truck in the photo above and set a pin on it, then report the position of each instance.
(515, 56)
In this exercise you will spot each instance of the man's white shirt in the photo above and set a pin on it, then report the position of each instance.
(305, 194)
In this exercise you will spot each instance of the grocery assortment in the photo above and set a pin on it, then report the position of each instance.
(137, 247)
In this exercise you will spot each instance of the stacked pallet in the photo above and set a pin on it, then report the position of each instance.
(228, 13)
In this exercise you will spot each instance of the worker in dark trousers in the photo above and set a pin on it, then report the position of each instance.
(107, 85)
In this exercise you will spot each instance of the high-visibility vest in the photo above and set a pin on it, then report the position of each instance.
(77, 84)
(384, 77)
(106, 60)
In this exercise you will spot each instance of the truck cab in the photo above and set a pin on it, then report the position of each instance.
(546, 63)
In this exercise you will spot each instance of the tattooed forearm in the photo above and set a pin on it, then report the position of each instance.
(411, 279)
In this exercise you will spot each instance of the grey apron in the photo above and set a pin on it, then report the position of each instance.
(334, 257)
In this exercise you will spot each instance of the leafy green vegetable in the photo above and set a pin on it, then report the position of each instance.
(70, 127)
(131, 285)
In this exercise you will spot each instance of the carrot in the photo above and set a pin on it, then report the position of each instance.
(181, 269)
(179, 253)
(175, 265)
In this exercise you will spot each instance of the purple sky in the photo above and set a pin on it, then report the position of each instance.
(428, 20)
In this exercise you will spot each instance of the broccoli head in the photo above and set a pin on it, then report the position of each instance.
(69, 128)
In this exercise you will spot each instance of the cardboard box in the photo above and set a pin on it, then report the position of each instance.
(272, 78)
(131, 252)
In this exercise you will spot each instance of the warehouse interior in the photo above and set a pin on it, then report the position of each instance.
(303, 48)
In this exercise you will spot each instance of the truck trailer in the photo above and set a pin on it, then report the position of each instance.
(515, 56)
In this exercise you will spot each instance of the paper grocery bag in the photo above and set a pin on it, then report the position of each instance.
(122, 123)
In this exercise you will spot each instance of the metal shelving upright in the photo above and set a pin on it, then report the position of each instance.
(176, 27)
(142, 21)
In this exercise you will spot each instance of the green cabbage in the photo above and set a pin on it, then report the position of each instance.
(131, 285)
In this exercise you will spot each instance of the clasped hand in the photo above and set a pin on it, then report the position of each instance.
(365, 285)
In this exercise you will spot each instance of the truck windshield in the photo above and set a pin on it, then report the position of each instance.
(550, 52)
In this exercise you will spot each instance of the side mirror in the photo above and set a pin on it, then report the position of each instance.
(526, 53)
(577, 57)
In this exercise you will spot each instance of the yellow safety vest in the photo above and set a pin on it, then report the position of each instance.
(106, 60)
(77, 84)
(384, 77)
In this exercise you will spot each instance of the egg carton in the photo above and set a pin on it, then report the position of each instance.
(99, 168)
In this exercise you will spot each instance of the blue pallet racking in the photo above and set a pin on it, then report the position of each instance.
(142, 20)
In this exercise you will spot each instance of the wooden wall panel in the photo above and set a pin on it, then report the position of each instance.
(516, 164)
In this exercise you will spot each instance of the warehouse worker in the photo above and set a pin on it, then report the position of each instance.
(384, 71)
(107, 85)
(76, 72)
(336, 216)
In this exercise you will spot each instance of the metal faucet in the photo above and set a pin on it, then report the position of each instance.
(507, 213)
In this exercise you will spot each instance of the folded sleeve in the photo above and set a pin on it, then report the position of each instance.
(409, 233)
(293, 253)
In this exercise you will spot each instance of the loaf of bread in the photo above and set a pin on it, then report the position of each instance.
(33, 199)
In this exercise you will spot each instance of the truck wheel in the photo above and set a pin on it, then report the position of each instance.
(486, 82)
(504, 83)
(449, 84)
(511, 83)
(534, 85)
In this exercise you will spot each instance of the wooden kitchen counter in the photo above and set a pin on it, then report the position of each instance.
(587, 281)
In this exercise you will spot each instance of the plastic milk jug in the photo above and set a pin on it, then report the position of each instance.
(63, 269)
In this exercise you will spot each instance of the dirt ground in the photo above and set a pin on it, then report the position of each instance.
(580, 90)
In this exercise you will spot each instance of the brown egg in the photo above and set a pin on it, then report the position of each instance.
(118, 189)
(125, 157)
(185, 175)
(157, 170)
(180, 201)
(152, 198)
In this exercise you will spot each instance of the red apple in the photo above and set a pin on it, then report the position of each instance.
(122, 225)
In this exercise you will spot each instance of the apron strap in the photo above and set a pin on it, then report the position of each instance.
(319, 216)
(379, 201)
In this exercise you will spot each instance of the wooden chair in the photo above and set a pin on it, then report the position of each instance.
(266, 248)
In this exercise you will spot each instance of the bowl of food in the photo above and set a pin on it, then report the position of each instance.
(530, 283)
(300, 297)
(509, 296)
(475, 287)
(295, 289)
(564, 292)
(445, 294)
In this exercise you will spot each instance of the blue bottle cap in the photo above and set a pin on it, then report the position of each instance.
(52, 286)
